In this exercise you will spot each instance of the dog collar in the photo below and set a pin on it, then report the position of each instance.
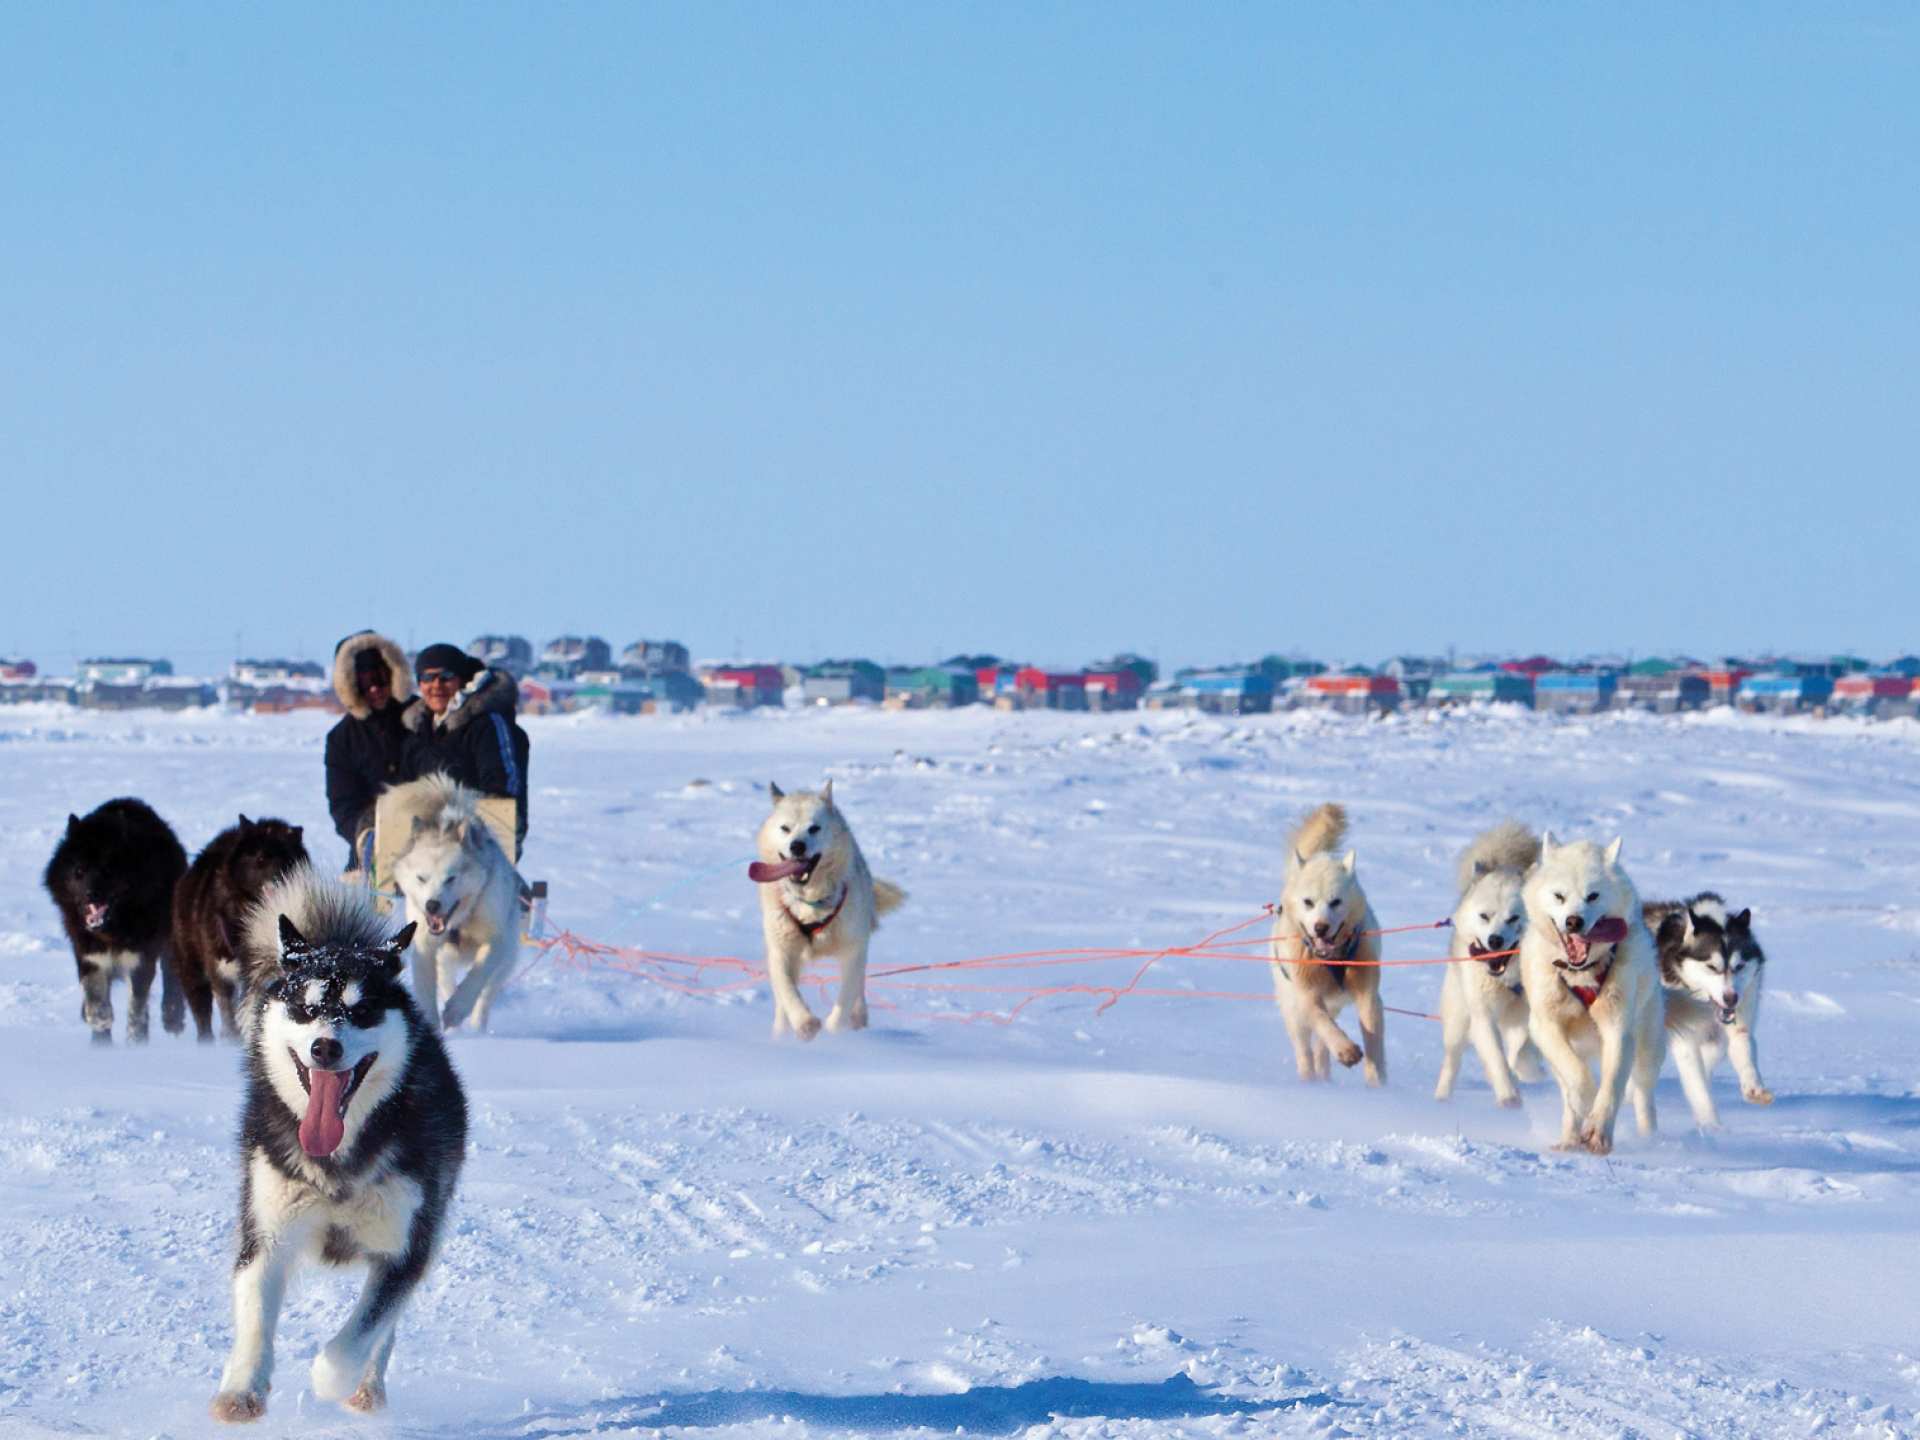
(811, 928)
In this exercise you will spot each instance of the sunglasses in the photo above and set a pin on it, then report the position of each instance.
(439, 677)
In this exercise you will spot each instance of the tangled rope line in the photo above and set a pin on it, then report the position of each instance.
(713, 976)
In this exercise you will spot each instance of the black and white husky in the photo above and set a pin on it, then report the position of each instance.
(351, 1138)
(1711, 967)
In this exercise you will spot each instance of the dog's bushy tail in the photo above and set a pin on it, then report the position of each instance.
(1507, 846)
(887, 897)
(1323, 830)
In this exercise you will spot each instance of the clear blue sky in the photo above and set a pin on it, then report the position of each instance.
(901, 329)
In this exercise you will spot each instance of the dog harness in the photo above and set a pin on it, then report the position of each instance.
(811, 928)
(1337, 964)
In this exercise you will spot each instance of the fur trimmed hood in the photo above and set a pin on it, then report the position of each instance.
(357, 644)
(488, 693)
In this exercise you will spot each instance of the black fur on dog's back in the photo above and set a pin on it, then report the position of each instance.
(126, 857)
(210, 906)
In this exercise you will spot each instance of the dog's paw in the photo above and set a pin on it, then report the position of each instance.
(370, 1398)
(1596, 1141)
(808, 1028)
(1348, 1054)
(236, 1407)
(1508, 1102)
(1759, 1095)
(336, 1374)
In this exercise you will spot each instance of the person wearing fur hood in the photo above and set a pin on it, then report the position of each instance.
(366, 750)
(463, 724)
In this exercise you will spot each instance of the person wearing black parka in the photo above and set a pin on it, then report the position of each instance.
(463, 724)
(365, 750)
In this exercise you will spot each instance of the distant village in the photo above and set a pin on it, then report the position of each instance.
(581, 673)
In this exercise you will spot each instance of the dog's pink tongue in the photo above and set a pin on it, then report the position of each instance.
(1608, 930)
(322, 1129)
(765, 874)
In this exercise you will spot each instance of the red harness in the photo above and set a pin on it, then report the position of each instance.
(811, 928)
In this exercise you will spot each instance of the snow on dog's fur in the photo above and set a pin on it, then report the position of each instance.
(463, 895)
(1320, 931)
(1481, 997)
(817, 898)
(1593, 987)
(352, 1133)
(1711, 966)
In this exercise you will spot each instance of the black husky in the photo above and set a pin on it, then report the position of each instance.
(113, 876)
(351, 1138)
(211, 904)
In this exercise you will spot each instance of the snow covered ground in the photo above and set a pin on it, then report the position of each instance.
(1132, 1223)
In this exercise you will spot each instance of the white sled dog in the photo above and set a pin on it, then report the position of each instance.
(352, 1132)
(817, 898)
(1712, 967)
(462, 893)
(1481, 997)
(1323, 956)
(1593, 987)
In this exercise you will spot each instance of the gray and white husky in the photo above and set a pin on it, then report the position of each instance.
(1481, 997)
(462, 894)
(1711, 967)
(352, 1134)
(817, 899)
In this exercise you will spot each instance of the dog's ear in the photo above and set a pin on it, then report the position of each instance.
(1612, 853)
(476, 839)
(826, 792)
(395, 949)
(1482, 867)
(1742, 921)
(457, 832)
(293, 945)
(297, 831)
(774, 790)
(1299, 860)
(1674, 926)
(245, 824)
(419, 823)
(1547, 844)
(73, 824)
(1349, 860)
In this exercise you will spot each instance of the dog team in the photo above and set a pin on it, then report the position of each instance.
(1554, 959)
(353, 1122)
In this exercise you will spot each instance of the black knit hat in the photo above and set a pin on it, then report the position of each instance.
(447, 657)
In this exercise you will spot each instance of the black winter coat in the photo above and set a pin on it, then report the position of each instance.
(477, 743)
(365, 750)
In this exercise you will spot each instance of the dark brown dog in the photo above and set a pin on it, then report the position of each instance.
(210, 905)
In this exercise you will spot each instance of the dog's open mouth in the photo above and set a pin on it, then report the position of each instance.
(1729, 1010)
(1496, 961)
(95, 916)
(437, 924)
(1324, 949)
(763, 872)
(1608, 930)
(329, 1092)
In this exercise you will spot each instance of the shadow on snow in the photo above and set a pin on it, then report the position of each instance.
(987, 1409)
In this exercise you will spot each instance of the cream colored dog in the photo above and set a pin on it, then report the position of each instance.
(1323, 956)
(1481, 997)
(817, 898)
(1593, 987)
